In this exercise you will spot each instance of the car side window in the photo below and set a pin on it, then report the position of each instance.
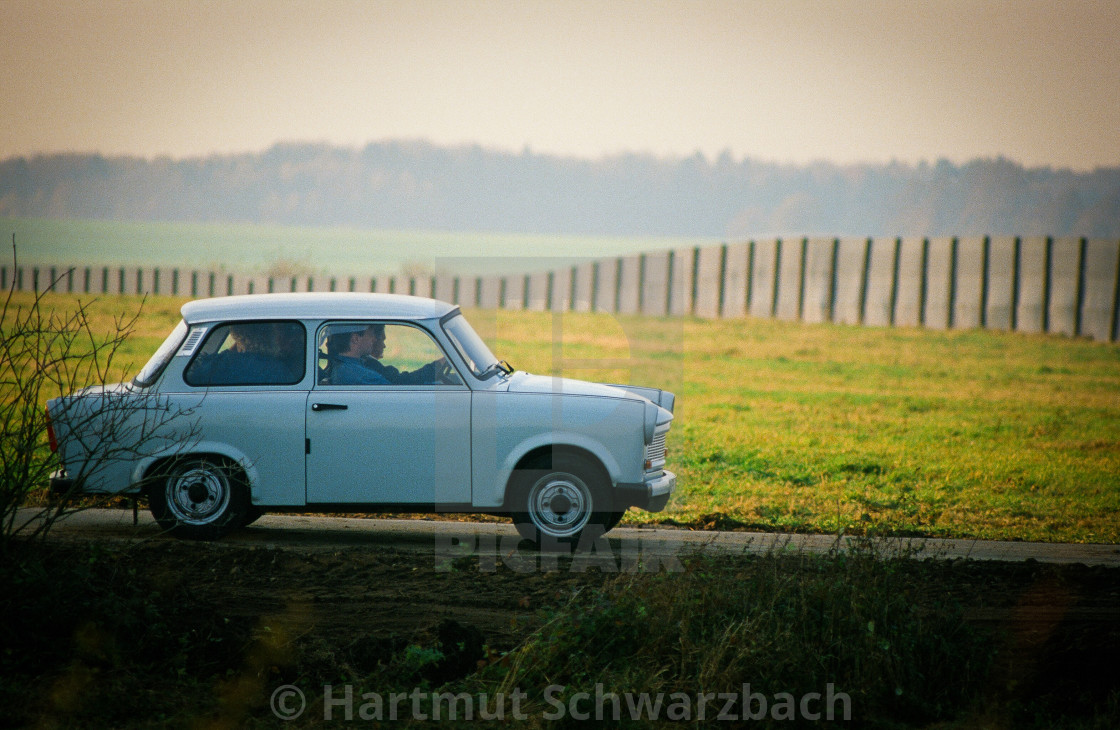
(250, 353)
(379, 354)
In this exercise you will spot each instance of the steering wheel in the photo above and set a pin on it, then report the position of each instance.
(445, 374)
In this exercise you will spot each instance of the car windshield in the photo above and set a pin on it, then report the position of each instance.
(151, 371)
(478, 356)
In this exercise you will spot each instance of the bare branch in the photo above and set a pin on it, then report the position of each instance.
(45, 353)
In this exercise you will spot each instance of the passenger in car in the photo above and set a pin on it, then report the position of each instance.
(290, 345)
(346, 346)
(248, 361)
(426, 375)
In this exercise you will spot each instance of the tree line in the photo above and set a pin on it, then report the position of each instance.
(419, 185)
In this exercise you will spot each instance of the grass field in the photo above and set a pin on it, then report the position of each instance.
(247, 248)
(784, 426)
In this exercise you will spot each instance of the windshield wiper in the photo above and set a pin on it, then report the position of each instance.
(501, 365)
(489, 370)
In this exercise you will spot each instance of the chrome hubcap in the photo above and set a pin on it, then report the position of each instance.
(560, 505)
(198, 494)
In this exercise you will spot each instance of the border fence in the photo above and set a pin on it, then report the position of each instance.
(1067, 286)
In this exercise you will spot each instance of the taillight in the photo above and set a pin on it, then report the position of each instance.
(51, 438)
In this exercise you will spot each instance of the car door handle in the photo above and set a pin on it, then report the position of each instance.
(328, 407)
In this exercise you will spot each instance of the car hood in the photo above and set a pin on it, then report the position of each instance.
(520, 382)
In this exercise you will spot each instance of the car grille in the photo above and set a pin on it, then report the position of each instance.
(655, 452)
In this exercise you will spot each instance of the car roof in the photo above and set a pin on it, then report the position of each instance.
(314, 306)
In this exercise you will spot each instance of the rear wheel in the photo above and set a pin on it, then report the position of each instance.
(561, 501)
(200, 498)
(252, 514)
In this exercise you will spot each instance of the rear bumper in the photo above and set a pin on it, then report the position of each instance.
(650, 495)
(61, 483)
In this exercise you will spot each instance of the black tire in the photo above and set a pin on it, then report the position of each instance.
(200, 498)
(559, 502)
(252, 514)
(615, 518)
(528, 531)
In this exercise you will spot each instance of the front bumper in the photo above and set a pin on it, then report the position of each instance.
(651, 495)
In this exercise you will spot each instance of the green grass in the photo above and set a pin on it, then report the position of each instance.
(800, 623)
(784, 426)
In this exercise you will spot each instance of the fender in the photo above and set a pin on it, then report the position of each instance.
(554, 439)
(659, 397)
(203, 447)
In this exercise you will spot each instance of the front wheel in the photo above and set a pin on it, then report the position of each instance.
(200, 498)
(558, 503)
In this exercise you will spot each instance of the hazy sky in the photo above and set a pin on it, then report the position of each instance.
(782, 80)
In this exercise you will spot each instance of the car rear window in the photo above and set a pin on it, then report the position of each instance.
(250, 353)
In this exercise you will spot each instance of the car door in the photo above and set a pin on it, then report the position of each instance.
(382, 426)
(248, 388)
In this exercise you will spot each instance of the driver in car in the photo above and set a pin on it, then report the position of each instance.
(346, 347)
(426, 375)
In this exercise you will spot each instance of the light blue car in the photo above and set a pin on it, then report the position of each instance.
(360, 402)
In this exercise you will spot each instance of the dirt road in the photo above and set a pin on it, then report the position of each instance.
(498, 542)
